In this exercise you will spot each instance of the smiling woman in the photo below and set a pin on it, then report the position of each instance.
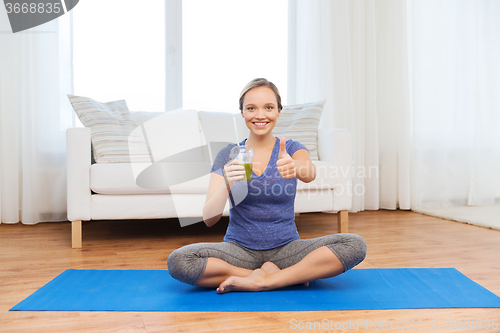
(262, 249)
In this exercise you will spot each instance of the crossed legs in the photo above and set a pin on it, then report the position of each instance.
(318, 264)
(231, 267)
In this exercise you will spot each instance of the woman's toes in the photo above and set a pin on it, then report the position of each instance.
(225, 286)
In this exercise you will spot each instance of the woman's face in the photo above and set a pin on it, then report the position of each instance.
(260, 110)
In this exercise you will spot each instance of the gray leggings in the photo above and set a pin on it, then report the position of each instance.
(188, 263)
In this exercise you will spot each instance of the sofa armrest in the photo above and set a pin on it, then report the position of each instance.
(78, 156)
(335, 146)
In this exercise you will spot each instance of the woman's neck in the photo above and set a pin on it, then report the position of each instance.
(258, 142)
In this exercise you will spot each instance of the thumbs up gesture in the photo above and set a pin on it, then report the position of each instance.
(285, 163)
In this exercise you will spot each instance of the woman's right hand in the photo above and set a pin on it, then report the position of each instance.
(233, 172)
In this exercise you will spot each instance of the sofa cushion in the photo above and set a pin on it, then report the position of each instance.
(300, 123)
(153, 206)
(118, 178)
(111, 126)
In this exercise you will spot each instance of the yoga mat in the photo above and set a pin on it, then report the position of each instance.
(357, 289)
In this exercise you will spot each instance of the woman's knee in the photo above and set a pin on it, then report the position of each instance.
(350, 249)
(185, 265)
(358, 249)
(174, 262)
(360, 245)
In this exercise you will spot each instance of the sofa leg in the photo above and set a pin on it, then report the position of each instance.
(343, 221)
(76, 234)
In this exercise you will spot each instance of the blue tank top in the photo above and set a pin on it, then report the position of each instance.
(262, 213)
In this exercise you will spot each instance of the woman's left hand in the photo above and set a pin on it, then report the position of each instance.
(285, 163)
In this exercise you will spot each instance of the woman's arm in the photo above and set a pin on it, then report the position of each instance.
(305, 170)
(218, 191)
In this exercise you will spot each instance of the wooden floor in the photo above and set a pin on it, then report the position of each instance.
(30, 256)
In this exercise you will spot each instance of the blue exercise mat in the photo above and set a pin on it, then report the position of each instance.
(357, 289)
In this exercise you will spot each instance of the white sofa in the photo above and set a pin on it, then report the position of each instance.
(110, 191)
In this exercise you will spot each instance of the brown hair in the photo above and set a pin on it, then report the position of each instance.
(260, 82)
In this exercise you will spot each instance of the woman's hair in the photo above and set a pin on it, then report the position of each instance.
(260, 82)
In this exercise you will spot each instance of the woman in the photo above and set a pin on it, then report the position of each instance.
(262, 249)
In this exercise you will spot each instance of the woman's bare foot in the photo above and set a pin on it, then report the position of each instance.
(254, 282)
(270, 267)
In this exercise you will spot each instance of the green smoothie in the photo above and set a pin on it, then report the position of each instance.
(248, 172)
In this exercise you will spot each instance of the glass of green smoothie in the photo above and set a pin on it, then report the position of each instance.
(244, 154)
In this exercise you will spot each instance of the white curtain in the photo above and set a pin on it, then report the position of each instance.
(416, 83)
(455, 76)
(35, 76)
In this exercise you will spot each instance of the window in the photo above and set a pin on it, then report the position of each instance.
(227, 43)
(119, 52)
